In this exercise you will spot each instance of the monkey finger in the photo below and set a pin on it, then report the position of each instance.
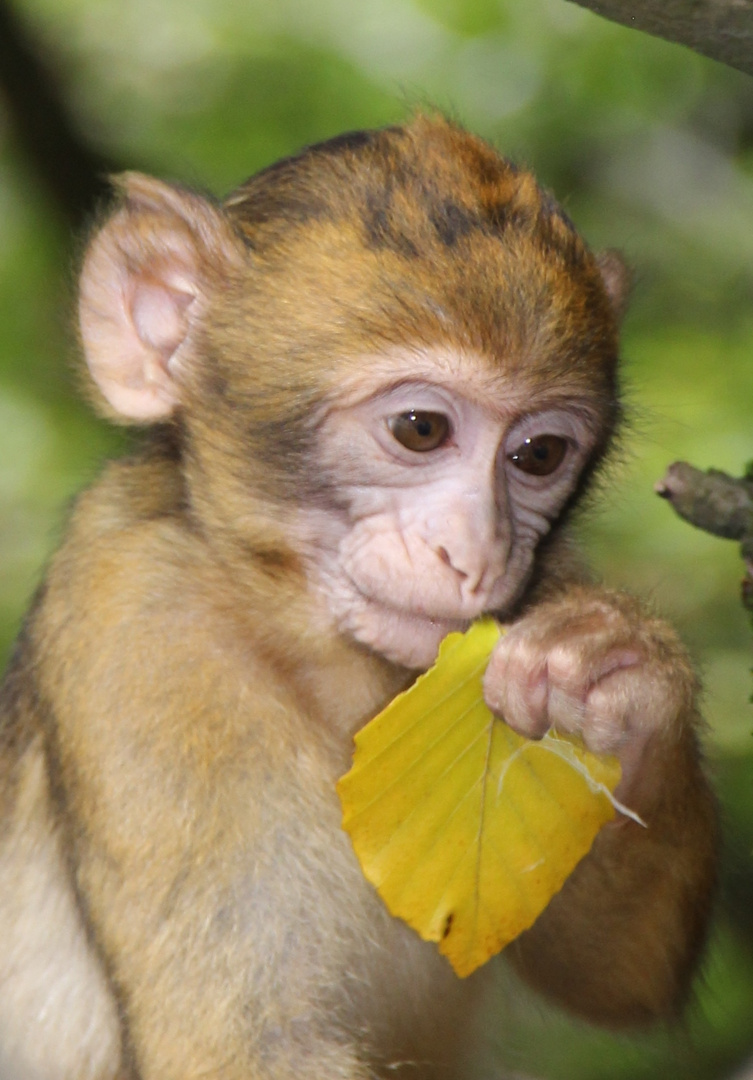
(581, 697)
(566, 712)
(516, 689)
(618, 715)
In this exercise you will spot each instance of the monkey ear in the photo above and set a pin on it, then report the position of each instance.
(617, 280)
(143, 286)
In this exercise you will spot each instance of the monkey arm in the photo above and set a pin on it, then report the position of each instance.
(619, 944)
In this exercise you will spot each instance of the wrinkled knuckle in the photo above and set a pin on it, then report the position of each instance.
(564, 665)
(518, 640)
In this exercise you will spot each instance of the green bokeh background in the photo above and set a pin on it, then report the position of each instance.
(649, 147)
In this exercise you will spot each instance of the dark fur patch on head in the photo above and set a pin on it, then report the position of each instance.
(421, 234)
(276, 192)
(281, 201)
(380, 229)
(551, 208)
(505, 215)
(361, 173)
(452, 222)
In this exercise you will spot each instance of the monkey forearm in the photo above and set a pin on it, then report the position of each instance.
(619, 943)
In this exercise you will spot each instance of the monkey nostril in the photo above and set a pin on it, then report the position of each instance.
(470, 583)
(446, 558)
(444, 555)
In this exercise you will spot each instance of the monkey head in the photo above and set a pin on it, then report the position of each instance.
(389, 362)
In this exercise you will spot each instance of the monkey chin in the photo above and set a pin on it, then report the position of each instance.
(406, 639)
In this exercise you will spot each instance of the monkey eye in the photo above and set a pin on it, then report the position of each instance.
(418, 430)
(539, 456)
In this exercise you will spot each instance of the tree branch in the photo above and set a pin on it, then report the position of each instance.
(716, 503)
(720, 29)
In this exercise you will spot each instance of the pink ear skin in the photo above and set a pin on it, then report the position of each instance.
(143, 283)
(617, 280)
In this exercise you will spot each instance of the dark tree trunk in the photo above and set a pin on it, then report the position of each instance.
(74, 173)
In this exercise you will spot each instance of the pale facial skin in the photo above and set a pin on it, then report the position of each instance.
(446, 483)
(433, 521)
(447, 486)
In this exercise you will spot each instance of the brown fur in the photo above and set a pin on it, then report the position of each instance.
(178, 713)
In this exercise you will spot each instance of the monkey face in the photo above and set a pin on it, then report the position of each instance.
(442, 487)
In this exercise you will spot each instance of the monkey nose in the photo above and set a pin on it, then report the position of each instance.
(474, 575)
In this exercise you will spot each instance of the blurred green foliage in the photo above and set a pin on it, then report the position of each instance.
(649, 147)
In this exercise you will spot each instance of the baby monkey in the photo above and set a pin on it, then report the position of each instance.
(376, 381)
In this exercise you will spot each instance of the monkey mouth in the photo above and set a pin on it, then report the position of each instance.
(399, 628)
(402, 636)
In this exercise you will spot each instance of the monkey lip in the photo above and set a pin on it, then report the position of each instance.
(401, 635)
(445, 617)
(409, 642)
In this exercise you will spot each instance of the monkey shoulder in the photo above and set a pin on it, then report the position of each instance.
(132, 589)
(127, 532)
(138, 614)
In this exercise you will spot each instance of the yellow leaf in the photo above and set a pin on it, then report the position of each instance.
(466, 828)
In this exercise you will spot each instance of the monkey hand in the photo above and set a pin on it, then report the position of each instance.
(593, 663)
(596, 664)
